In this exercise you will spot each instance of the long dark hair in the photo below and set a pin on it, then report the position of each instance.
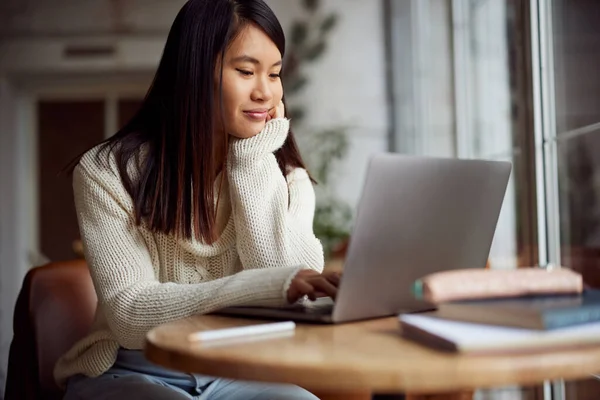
(173, 192)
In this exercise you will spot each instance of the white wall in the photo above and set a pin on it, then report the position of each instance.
(423, 77)
(13, 219)
(347, 85)
(7, 203)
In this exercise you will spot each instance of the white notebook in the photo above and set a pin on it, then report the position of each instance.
(479, 338)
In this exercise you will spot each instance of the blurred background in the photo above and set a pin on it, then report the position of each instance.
(512, 80)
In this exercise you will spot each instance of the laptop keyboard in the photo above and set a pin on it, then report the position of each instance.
(322, 306)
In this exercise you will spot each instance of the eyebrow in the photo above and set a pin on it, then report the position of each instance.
(252, 60)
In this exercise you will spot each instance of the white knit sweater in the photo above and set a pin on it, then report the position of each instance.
(144, 279)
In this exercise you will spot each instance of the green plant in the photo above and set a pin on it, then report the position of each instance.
(323, 149)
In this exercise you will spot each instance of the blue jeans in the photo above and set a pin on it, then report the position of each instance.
(133, 377)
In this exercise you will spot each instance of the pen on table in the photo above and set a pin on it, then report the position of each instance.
(243, 331)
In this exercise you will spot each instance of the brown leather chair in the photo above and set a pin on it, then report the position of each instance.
(55, 308)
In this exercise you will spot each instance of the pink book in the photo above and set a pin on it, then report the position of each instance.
(465, 284)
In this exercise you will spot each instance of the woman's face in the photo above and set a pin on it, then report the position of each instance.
(251, 82)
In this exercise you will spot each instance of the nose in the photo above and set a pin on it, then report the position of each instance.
(261, 92)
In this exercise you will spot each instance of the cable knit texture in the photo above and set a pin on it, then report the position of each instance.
(144, 279)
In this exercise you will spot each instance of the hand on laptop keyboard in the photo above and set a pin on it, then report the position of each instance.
(313, 285)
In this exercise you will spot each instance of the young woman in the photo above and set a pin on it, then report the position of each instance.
(201, 202)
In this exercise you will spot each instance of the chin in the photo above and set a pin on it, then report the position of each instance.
(248, 131)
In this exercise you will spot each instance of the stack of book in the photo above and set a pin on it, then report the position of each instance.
(490, 312)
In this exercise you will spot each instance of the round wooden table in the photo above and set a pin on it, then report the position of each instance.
(363, 357)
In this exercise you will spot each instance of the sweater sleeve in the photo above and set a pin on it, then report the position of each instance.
(273, 213)
(132, 298)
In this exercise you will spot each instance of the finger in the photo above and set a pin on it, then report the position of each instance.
(294, 292)
(282, 110)
(271, 114)
(334, 278)
(303, 288)
(323, 285)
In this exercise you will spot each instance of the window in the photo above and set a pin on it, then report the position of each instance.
(570, 93)
(461, 86)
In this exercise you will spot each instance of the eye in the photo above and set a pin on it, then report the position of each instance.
(275, 76)
(244, 72)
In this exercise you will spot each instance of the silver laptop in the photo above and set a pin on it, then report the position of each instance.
(416, 216)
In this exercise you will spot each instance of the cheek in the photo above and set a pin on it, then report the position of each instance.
(278, 93)
(230, 100)
(233, 94)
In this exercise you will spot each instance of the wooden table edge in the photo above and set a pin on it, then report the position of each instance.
(230, 368)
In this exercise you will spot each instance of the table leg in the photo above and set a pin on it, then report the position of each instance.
(464, 395)
(342, 396)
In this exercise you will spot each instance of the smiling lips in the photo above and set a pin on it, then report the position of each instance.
(258, 114)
